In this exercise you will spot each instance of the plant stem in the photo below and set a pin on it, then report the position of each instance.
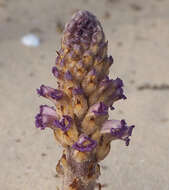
(77, 175)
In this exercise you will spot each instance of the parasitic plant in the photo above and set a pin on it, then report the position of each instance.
(84, 94)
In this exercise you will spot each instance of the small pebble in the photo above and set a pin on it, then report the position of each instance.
(30, 40)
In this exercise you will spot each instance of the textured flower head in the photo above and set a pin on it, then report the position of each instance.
(83, 28)
(83, 96)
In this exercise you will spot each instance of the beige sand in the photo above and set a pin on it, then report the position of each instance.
(138, 35)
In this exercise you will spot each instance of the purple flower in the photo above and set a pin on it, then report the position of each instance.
(100, 109)
(118, 129)
(84, 148)
(114, 86)
(118, 94)
(55, 72)
(68, 75)
(46, 117)
(77, 91)
(64, 124)
(117, 83)
(47, 91)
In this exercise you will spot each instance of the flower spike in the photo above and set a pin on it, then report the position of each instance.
(83, 96)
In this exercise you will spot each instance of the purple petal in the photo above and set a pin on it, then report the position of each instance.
(62, 123)
(47, 91)
(84, 148)
(118, 94)
(46, 110)
(46, 117)
(118, 83)
(118, 129)
(101, 109)
(56, 94)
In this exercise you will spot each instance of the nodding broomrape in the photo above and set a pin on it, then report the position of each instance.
(85, 93)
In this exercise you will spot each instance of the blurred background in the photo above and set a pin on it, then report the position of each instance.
(138, 36)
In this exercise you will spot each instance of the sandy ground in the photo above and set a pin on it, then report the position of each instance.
(138, 35)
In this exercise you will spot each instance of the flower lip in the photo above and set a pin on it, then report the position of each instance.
(46, 117)
(118, 83)
(84, 148)
(102, 109)
(62, 123)
(118, 129)
(56, 94)
(38, 122)
(122, 131)
(47, 91)
(118, 94)
(40, 91)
